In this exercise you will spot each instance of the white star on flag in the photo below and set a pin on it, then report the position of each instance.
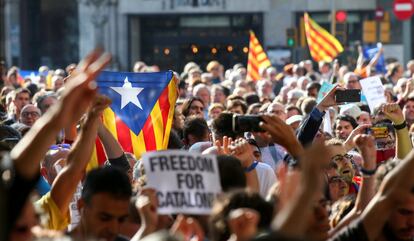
(128, 94)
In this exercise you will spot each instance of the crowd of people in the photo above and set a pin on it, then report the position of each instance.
(312, 169)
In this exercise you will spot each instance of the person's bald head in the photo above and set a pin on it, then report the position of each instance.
(54, 160)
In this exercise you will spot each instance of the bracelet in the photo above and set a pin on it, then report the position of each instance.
(367, 173)
(251, 167)
(400, 126)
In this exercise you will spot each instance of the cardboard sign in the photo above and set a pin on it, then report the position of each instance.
(185, 182)
(374, 92)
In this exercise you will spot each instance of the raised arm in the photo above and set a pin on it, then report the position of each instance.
(292, 219)
(310, 126)
(27, 154)
(68, 179)
(112, 147)
(366, 146)
(279, 132)
(77, 96)
(376, 57)
(403, 142)
(360, 60)
(394, 191)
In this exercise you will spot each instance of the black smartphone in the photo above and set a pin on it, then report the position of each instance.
(247, 123)
(348, 96)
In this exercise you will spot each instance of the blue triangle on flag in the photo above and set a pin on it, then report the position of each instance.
(152, 84)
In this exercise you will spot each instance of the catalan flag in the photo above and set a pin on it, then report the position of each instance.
(322, 45)
(257, 58)
(141, 113)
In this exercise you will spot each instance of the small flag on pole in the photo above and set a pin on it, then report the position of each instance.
(257, 58)
(322, 45)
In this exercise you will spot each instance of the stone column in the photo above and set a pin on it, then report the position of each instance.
(94, 29)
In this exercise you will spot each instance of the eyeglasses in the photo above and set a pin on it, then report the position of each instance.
(31, 113)
(335, 180)
(341, 157)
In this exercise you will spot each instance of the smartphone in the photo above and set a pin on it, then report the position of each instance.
(378, 132)
(381, 135)
(247, 123)
(348, 96)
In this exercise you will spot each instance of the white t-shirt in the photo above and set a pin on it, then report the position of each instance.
(73, 208)
(267, 157)
(267, 178)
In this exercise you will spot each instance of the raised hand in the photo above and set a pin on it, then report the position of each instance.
(367, 148)
(281, 134)
(243, 224)
(80, 89)
(291, 219)
(316, 159)
(393, 112)
(350, 141)
(147, 204)
(223, 146)
(77, 96)
(241, 149)
(329, 99)
(187, 227)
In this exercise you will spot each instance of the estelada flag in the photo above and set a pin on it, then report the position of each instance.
(257, 58)
(322, 45)
(141, 114)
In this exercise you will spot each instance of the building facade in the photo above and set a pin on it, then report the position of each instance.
(170, 33)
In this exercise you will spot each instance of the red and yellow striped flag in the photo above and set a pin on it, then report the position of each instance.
(257, 58)
(322, 45)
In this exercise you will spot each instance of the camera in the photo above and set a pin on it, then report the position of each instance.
(246, 123)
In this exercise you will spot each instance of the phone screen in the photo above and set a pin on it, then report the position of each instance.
(347, 96)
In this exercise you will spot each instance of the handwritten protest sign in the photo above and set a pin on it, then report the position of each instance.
(374, 92)
(185, 182)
